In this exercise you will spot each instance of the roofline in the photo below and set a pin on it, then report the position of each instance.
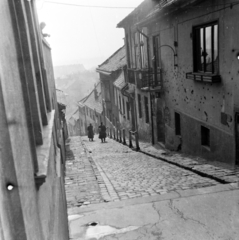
(95, 110)
(110, 57)
(62, 104)
(165, 7)
(121, 23)
(103, 71)
(85, 98)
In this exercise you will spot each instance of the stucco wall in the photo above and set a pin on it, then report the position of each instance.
(201, 102)
(144, 129)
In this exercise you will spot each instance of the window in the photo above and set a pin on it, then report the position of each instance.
(123, 106)
(205, 136)
(139, 106)
(156, 59)
(146, 103)
(177, 124)
(156, 52)
(127, 106)
(115, 94)
(143, 49)
(136, 50)
(127, 40)
(120, 103)
(206, 48)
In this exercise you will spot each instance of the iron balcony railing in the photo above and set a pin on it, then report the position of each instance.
(145, 78)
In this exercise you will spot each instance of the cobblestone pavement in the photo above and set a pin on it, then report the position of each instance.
(129, 174)
(82, 176)
(219, 171)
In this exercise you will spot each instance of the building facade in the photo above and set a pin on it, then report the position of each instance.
(118, 108)
(91, 111)
(183, 59)
(32, 193)
(73, 123)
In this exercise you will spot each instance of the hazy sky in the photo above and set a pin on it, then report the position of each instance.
(83, 35)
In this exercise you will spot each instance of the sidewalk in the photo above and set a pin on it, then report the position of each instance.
(197, 214)
(215, 170)
(207, 212)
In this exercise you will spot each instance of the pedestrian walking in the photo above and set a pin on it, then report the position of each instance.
(102, 132)
(90, 132)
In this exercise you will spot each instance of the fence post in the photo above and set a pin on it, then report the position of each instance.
(117, 134)
(124, 141)
(130, 139)
(137, 141)
(120, 136)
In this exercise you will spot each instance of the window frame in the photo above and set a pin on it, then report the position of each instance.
(123, 103)
(146, 106)
(196, 42)
(140, 105)
(128, 110)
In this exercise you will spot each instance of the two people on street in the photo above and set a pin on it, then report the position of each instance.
(90, 132)
(102, 132)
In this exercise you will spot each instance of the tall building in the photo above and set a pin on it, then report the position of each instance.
(182, 58)
(32, 194)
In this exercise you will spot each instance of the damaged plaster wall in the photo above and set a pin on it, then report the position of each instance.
(207, 104)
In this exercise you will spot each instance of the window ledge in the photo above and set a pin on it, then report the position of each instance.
(43, 151)
(204, 77)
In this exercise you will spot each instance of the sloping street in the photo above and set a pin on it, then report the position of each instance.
(110, 176)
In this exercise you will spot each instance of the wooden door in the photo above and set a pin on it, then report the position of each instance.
(160, 125)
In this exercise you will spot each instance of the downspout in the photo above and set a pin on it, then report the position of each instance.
(150, 97)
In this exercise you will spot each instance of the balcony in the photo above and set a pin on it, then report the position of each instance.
(147, 81)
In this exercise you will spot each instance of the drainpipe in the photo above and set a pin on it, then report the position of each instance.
(150, 97)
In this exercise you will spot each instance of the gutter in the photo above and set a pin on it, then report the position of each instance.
(103, 71)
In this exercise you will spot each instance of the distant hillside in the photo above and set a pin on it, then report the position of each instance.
(64, 70)
(76, 86)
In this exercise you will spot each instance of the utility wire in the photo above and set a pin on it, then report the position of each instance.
(88, 6)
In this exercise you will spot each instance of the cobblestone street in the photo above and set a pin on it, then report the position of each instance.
(82, 177)
(102, 172)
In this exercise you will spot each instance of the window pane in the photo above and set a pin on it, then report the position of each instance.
(208, 53)
(215, 48)
(199, 60)
(201, 68)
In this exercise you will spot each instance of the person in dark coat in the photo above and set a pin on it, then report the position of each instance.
(90, 132)
(102, 132)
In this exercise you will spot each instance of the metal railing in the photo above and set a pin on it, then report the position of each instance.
(144, 77)
(119, 135)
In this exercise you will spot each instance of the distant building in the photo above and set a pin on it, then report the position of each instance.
(82, 118)
(182, 57)
(74, 124)
(118, 104)
(91, 107)
(32, 193)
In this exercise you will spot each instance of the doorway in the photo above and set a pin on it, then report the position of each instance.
(160, 125)
(237, 136)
